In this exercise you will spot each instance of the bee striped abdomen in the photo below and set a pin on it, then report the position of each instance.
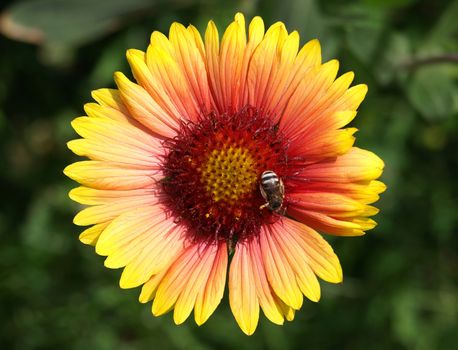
(272, 190)
(269, 179)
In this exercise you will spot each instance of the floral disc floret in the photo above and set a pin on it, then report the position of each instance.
(212, 171)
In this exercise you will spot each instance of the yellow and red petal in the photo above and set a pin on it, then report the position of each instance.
(328, 144)
(211, 283)
(274, 271)
(95, 110)
(105, 212)
(263, 64)
(279, 272)
(115, 141)
(145, 109)
(91, 235)
(189, 54)
(197, 273)
(338, 192)
(169, 76)
(242, 291)
(92, 196)
(110, 98)
(308, 58)
(255, 36)
(144, 77)
(141, 240)
(314, 249)
(112, 176)
(354, 166)
(212, 292)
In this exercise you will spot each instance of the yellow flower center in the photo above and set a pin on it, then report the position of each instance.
(229, 173)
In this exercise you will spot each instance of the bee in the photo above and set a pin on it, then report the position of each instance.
(272, 190)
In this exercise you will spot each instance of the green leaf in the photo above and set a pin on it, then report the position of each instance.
(363, 27)
(431, 91)
(66, 22)
(397, 51)
(446, 29)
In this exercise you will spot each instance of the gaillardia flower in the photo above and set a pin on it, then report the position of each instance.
(173, 181)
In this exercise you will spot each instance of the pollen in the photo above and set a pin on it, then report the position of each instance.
(229, 174)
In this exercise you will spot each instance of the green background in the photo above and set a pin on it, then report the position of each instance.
(400, 288)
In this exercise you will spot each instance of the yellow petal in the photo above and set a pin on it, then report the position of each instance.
(110, 98)
(150, 287)
(127, 227)
(232, 51)
(197, 39)
(210, 296)
(327, 144)
(280, 78)
(212, 60)
(188, 49)
(279, 272)
(319, 254)
(105, 212)
(112, 140)
(198, 277)
(111, 176)
(305, 98)
(143, 75)
(328, 224)
(355, 166)
(256, 34)
(160, 248)
(242, 291)
(95, 110)
(353, 97)
(92, 234)
(267, 300)
(262, 65)
(144, 109)
(175, 281)
(92, 196)
(167, 72)
(297, 258)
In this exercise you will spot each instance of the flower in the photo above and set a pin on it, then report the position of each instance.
(173, 178)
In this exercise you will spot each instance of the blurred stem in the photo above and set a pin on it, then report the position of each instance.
(445, 58)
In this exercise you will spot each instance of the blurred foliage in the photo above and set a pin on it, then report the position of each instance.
(401, 279)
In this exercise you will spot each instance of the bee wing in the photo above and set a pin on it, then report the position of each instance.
(282, 188)
(263, 193)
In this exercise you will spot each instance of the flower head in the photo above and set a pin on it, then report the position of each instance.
(173, 181)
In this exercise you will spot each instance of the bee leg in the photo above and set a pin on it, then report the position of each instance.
(265, 205)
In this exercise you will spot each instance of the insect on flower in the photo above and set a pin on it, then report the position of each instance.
(272, 190)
